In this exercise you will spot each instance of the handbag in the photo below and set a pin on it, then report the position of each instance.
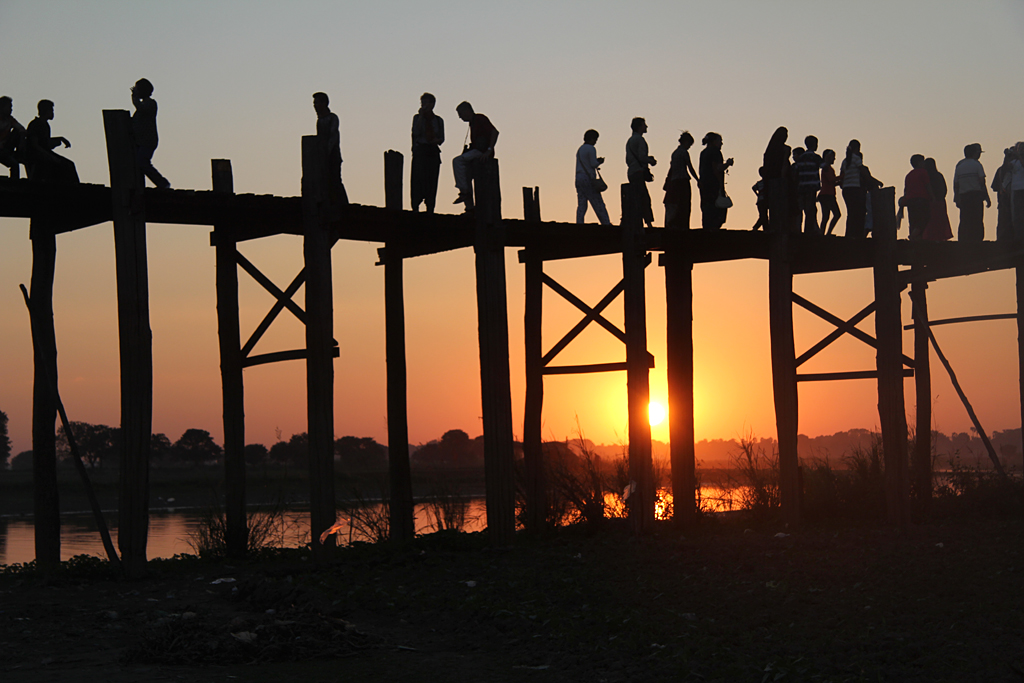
(723, 201)
(597, 183)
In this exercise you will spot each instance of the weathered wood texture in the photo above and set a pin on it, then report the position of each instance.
(135, 339)
(317, 244)
(638, 388)
(46, 503)
(784, 379)
(679, 361)
(533, 454)
(921, 466)
(495, 384)
(889, 357)
(232, 385)
(401, 512)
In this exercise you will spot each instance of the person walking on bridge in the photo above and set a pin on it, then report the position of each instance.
(587, 163)
(144, 128)
(638, 172)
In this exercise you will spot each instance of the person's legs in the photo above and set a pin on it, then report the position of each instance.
(972, 215)
(1017, 213)
(431, 173)
(416, 180)
(809, 205)
(856, 205)
(597, 201)
(144, 160)
(460, 168)
(581, 203)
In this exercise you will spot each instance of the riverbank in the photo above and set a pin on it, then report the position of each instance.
(939, 602)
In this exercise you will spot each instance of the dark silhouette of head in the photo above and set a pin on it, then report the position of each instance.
(917, 161)
(685, 139)
(6, 106)
(798, 152)
(321, 103)
(465, 111)
(638, 125)
(811, 143)
(712, 139)
(427, 102)
(45, 109)
(779, 137)
(591, 136)
(973, 151)
(828, 156)
(761, 172)
(143, 88)
(852, 148)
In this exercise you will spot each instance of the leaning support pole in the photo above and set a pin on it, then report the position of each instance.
(889, 358)
(136, 340)
(679, 361)
(317, 245)
(638, 387)
(46, 503)
(780, 310)
(495, 385)
(403, 526)
(533, 453)
(232, 385)
(922, 459)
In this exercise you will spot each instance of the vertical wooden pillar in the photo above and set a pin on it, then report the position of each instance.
(679, 360)
(46, 503)
(889, 357)
(1020, 340)
(402, 519)
(319, 340)
(232, 386)
(784, 384)
(533, 453)
(922, 466)
(495, 386)
(135, 337)
(638, 389)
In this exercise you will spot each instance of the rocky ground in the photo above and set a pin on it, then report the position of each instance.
(941, 602)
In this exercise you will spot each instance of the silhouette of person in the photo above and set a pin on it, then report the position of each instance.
(638, 172)
(40, 159)
(678, 194)
(587, 163)
(12, 135)
(328, 134)
(482, 138)
(970, 192)
(1004, 220)
(856, 179)
(712, 182)
(938, 228)
(777, 179)
(827, 195)
(916, 197)
(808, 178)
(1013, 182)
(144, 127)
(427, 138)
(762, 201)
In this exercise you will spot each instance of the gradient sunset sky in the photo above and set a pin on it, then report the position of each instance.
(233, 80)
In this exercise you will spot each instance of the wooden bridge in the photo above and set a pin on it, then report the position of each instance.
(56, 209)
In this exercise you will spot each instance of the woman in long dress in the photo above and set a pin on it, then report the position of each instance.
(678, 195)
(712, 182)
(938, 228)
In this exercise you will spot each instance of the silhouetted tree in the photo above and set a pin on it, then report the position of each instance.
(22, 461)
(255, 454)
(5, 441)
(97, 444)
(160, 448)
(197, 446)
(356, 453)
(293, 452)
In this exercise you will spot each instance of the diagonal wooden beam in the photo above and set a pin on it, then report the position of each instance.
(283, 299)
(835, 334)
(843, 325)
(591, 315)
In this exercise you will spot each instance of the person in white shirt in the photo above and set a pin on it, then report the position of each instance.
(970, 193)
(587, 163)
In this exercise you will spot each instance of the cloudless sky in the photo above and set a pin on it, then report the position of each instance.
(233, 80)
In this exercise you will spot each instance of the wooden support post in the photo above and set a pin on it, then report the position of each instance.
(402, 518)
(46, 503)
(533, 449)
(630, 212)
(495, 385)
(1020, 340)
(136, 339)
(922, 461)
(232, 385)
(889, 357)
(784, 384)
(638, 388)
(319, 341)
(679, 360)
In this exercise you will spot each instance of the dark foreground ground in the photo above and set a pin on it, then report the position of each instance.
(932, 603)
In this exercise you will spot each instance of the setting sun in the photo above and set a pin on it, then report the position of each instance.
(656, 413)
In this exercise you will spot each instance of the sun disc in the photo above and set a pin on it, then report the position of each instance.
(656, 413)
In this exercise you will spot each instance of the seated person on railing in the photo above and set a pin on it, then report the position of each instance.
(40, 159)
(12, 135)
(482, 137)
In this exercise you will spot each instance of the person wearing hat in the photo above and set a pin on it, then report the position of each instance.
(970, 194)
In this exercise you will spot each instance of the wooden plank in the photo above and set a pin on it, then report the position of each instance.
(46, 502)
(679, 368)
(236, 529)
(495, 385)
(319, 342)
(889, 358)
(784, 378)
(855, 374)
(279, 356)
(921, 465)
(135, 337)
(961, 319)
